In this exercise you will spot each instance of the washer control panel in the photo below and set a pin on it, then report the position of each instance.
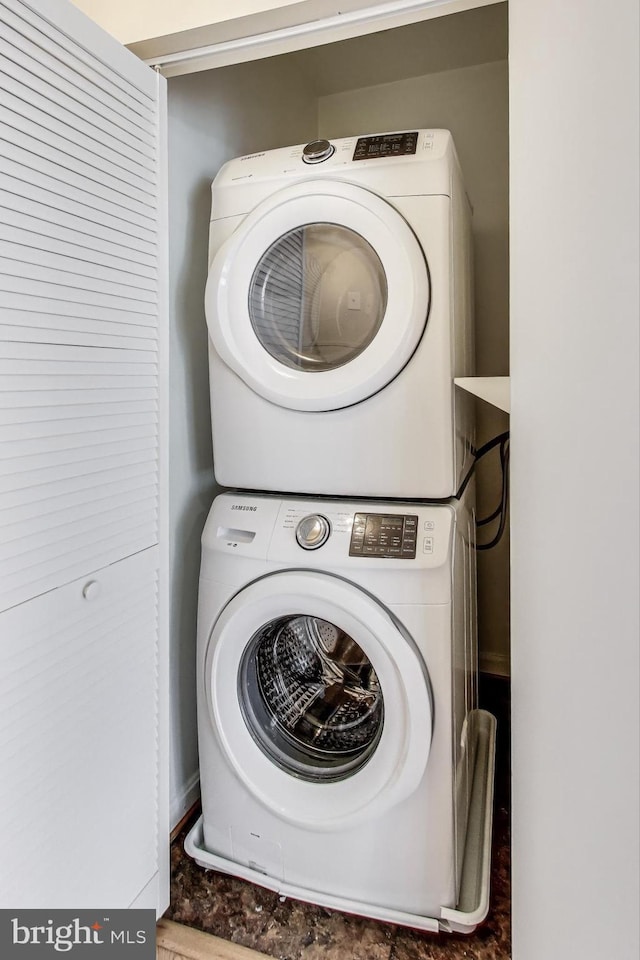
(386, 145)
(385, 535)
(343, 536)
(312, 531)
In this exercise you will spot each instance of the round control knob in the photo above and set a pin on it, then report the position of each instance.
(317, 151)
(313, 531)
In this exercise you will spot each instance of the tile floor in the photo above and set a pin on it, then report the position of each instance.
(290, 930)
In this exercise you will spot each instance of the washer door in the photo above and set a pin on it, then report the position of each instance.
(320, 297)
(319, 698)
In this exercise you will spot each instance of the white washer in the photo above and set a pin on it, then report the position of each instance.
(337, 714)
(339, 309)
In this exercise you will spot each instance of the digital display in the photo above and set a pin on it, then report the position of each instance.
(384, 535)
(386, 145)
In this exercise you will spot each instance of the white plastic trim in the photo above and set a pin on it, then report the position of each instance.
(476, 870)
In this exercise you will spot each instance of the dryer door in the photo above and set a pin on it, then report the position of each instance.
(320, 296)
(319, 697)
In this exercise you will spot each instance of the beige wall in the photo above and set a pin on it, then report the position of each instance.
(472, 102)
(133, 20)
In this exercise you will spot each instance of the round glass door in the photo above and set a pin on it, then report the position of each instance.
(317, 297)
(310, 698)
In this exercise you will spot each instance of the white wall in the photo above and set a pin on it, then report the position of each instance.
(574, 365)
(472, 102)
(212, 117)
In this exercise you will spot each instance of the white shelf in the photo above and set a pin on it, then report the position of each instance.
(494, 390)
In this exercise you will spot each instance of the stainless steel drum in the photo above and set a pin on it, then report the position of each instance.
(311, 698)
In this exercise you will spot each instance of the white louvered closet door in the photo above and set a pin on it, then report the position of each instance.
(82, 270)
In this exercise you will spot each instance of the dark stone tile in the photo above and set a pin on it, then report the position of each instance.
(221, 905)
(298, 931)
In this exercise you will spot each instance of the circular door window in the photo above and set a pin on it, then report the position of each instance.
(310, 698)
(317, 297)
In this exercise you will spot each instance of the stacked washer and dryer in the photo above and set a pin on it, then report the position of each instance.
(343, 758)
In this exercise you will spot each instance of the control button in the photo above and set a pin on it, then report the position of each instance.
(429, 524)
(313, 531)
(427, 545)
(317, 151)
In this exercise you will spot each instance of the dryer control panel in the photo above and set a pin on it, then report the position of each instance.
(386, 145)
(402, 163)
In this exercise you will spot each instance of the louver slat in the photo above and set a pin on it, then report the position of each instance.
(30, 415)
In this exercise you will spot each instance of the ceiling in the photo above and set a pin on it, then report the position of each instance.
(431, 46)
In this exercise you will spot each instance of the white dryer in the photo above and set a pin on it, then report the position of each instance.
(341, 750)
(339, 310)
